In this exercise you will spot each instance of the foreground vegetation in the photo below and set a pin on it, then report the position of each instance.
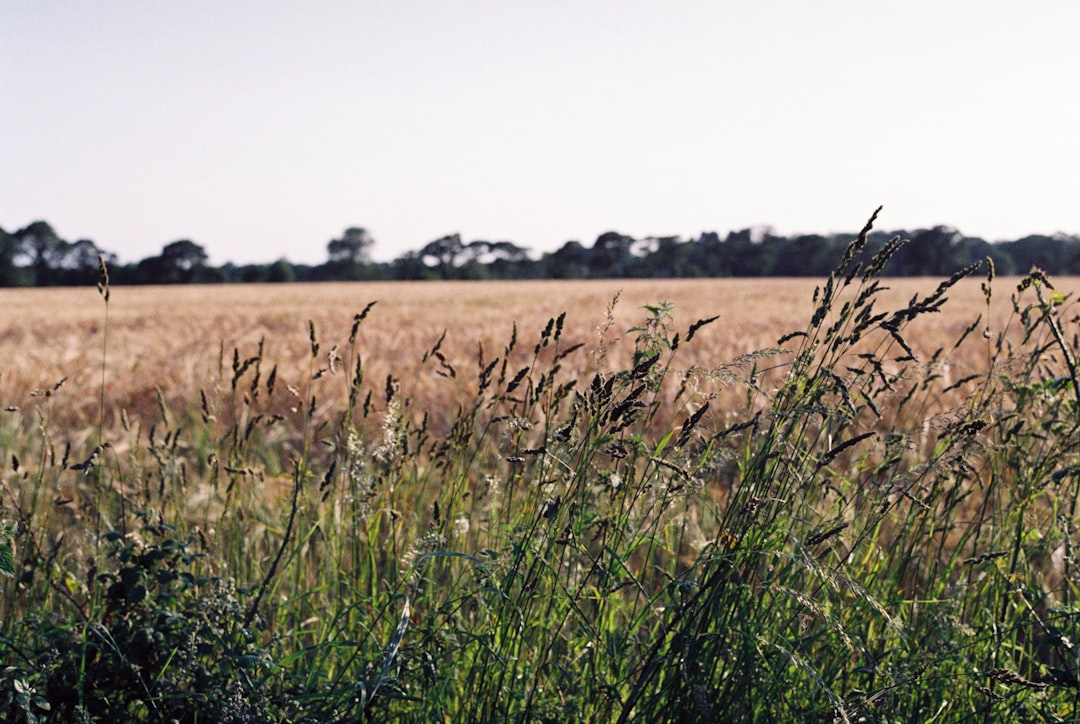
(864, 536)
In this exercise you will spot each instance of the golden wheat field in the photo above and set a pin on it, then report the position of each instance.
(465, 472)
(174, 342)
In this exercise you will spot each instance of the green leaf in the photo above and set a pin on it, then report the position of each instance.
(7, 559)
(660, 446)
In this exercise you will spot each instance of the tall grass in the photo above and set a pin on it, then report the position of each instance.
(862, 538)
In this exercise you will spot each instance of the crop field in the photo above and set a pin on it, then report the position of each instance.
(850, 499)
(178, 341)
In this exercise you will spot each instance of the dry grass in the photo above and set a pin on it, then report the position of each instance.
(178, 340)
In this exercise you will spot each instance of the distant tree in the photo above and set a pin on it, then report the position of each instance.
(248, 273)
(490, 260)
(667, 258)
(1003, 263)
(39, 247)
(1049, 253)
(9, 274)
(443, 254)
(610, 255)
(473, 262)
(745, 254)
(705, 256)
(80, 263)
(151, 270)
(281, 271)
(348, 255)
(354, 246)
(83, 254)
(409, 267)
(185, 257)
(507, 260)
(807, 255)
(570, 261)
(1072, 252)
(936, 251)
(180, 262)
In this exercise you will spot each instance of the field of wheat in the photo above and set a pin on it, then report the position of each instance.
(176, 341)
(680, 500)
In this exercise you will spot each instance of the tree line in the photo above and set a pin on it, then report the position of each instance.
(36, 255)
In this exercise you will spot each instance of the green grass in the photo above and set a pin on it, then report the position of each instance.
(841, 547)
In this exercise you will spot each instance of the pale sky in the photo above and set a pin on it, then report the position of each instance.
(262, 129)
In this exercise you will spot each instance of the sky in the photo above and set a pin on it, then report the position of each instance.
(263, 129)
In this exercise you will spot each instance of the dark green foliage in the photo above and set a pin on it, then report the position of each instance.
(165, 646)
(181, 262)
(35, 255)
(348, 257)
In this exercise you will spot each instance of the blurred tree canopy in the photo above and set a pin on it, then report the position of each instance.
(36, 255)
(348, 256)
(181, 262)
